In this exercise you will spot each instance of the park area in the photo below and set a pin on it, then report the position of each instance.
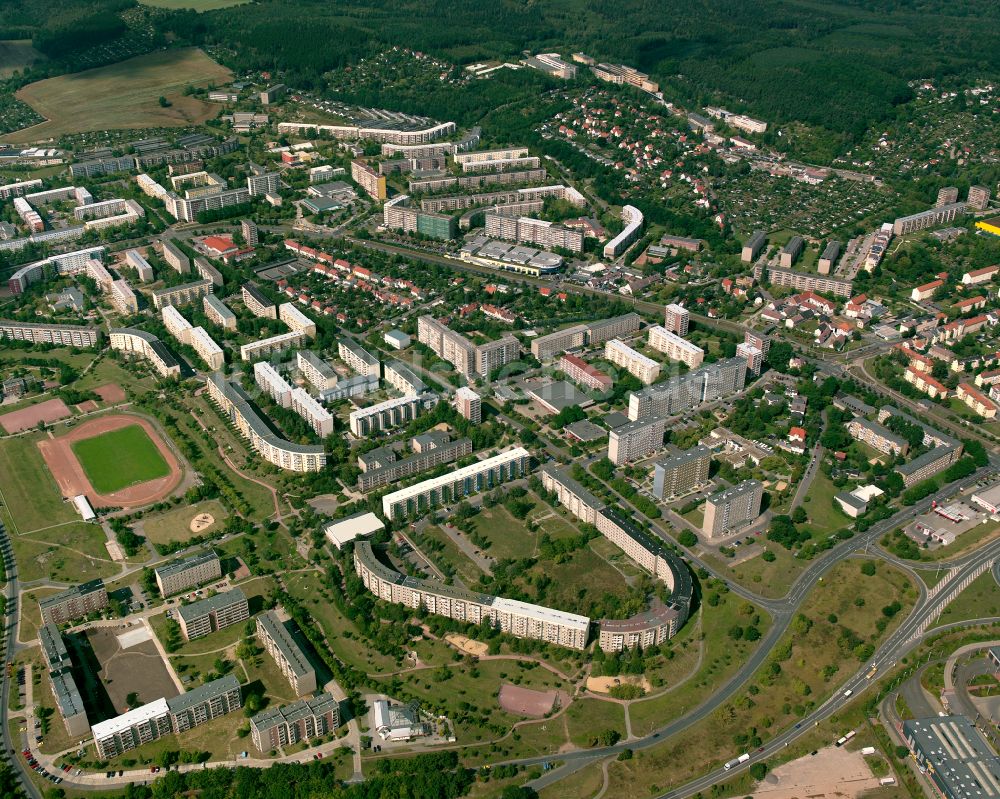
(179, 524)
(123, 95)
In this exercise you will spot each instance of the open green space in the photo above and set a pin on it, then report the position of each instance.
(15, 55)
(770, 579)
(508, 537)
(30, 495)
(175, 524)
(835, 632)
(120, 458)
(447, 556)
(31, 614)
(69, 553)
(824, 516)
(123, 95)
(980, 600)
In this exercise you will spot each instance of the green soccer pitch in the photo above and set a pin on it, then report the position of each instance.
(120, 458)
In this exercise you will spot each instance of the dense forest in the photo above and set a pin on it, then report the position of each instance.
(836, 64)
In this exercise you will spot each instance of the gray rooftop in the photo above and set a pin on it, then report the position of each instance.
(75, 591)
(183, 564)
(67, 694)
(682, 458)
(213, 603)
(53, 646)
(956, 756)
(921, 461)
(203, 693)
(728, 494)
(315, 706)
(283, 640)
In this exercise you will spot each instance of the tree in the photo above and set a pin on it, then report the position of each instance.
(758, 771)
(687, 539)
(164, 102)
(799, 515)
(868, 568)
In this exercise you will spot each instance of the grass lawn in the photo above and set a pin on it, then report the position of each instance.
(174, 525)
(979, 600)
(29, 493)
(449, 557)
(196, 5)
(16, 54)
(587, 718)
(584, 783)
(120, 458)
(31, 614)
(312, 589)
(123, 95)
(767, 579)
(508, 537)
(824, 518)
(811, 659)
(69, 553)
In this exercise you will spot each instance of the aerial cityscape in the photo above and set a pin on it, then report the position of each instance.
(551, 400)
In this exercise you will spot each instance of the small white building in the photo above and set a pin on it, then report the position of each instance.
(83, 508)
(397, 339)
(342, 531)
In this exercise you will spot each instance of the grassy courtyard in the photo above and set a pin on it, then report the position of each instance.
(120, 458)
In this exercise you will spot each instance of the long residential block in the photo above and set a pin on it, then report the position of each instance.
(74, 603)
(675, 347)
(304, 720)
(213, 613)
(146, 345)
(287, 654)
(40, 333)
(188, 572)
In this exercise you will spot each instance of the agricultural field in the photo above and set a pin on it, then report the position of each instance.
(30, 496)
(120, 458)
(15, 55)
(123, 95)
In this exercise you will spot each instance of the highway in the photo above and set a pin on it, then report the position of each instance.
(11, 747)
(783, 610)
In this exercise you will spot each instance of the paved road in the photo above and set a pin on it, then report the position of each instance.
(10, 624)
(783, 611)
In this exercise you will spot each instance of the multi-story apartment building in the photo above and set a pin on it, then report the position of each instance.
(681, 473)
(54, 649)
(807, 281)
(234, 403)
(391, 470)
(979, 198)
(519, 619)
(494, 354)
(73, 603)
(303, 720)
(268, 346)
(19, 189)
(633, 219)
(272, 383)
(675, 347)
(620, 354)
(310, 409)
(358, 358)
(181, 295)
(398, 375)
(682, 393)
(472, 479)
(976, 400)
(733, 508)
(187, 208)
(546, 347)
(296, 320)
(173, 255)
(263, 184)
(636, 440)
(877, 437)
(398, 214)
(218, 312)
(368, 179)
(176, 325)
(380, 133)
(134, 259)
(287, 654)
(208, 272)
(525, 230)
(257, 302)
(623, 74)
(932, 217)
(208, 350)
(829, 257)
(947, 195)
(123, 297)
(469, 359)
(925, 466)
(70, 703)
(753, 355)
(676, 319)
(604, 330)
(249, 229)
(166, 716)
(315, 370)
(389, 414)
(139, 342)
(62, 335)
(213, 613)
(791, 251)
(469, 404)
(579, 371)
(188, 572)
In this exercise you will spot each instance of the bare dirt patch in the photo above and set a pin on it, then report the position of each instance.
(49, 411)
(87, 406)
(201, 521)
(603, 685)
(72, 480)
(137, 669)
(525, 701)
(831, 772)
(477, 648)
(111, 393)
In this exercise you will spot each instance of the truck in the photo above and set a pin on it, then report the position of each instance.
(843, 740)
(737, 761)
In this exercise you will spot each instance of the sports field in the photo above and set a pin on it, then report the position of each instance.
(123, 95)
(31, 497)
(120, 458)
